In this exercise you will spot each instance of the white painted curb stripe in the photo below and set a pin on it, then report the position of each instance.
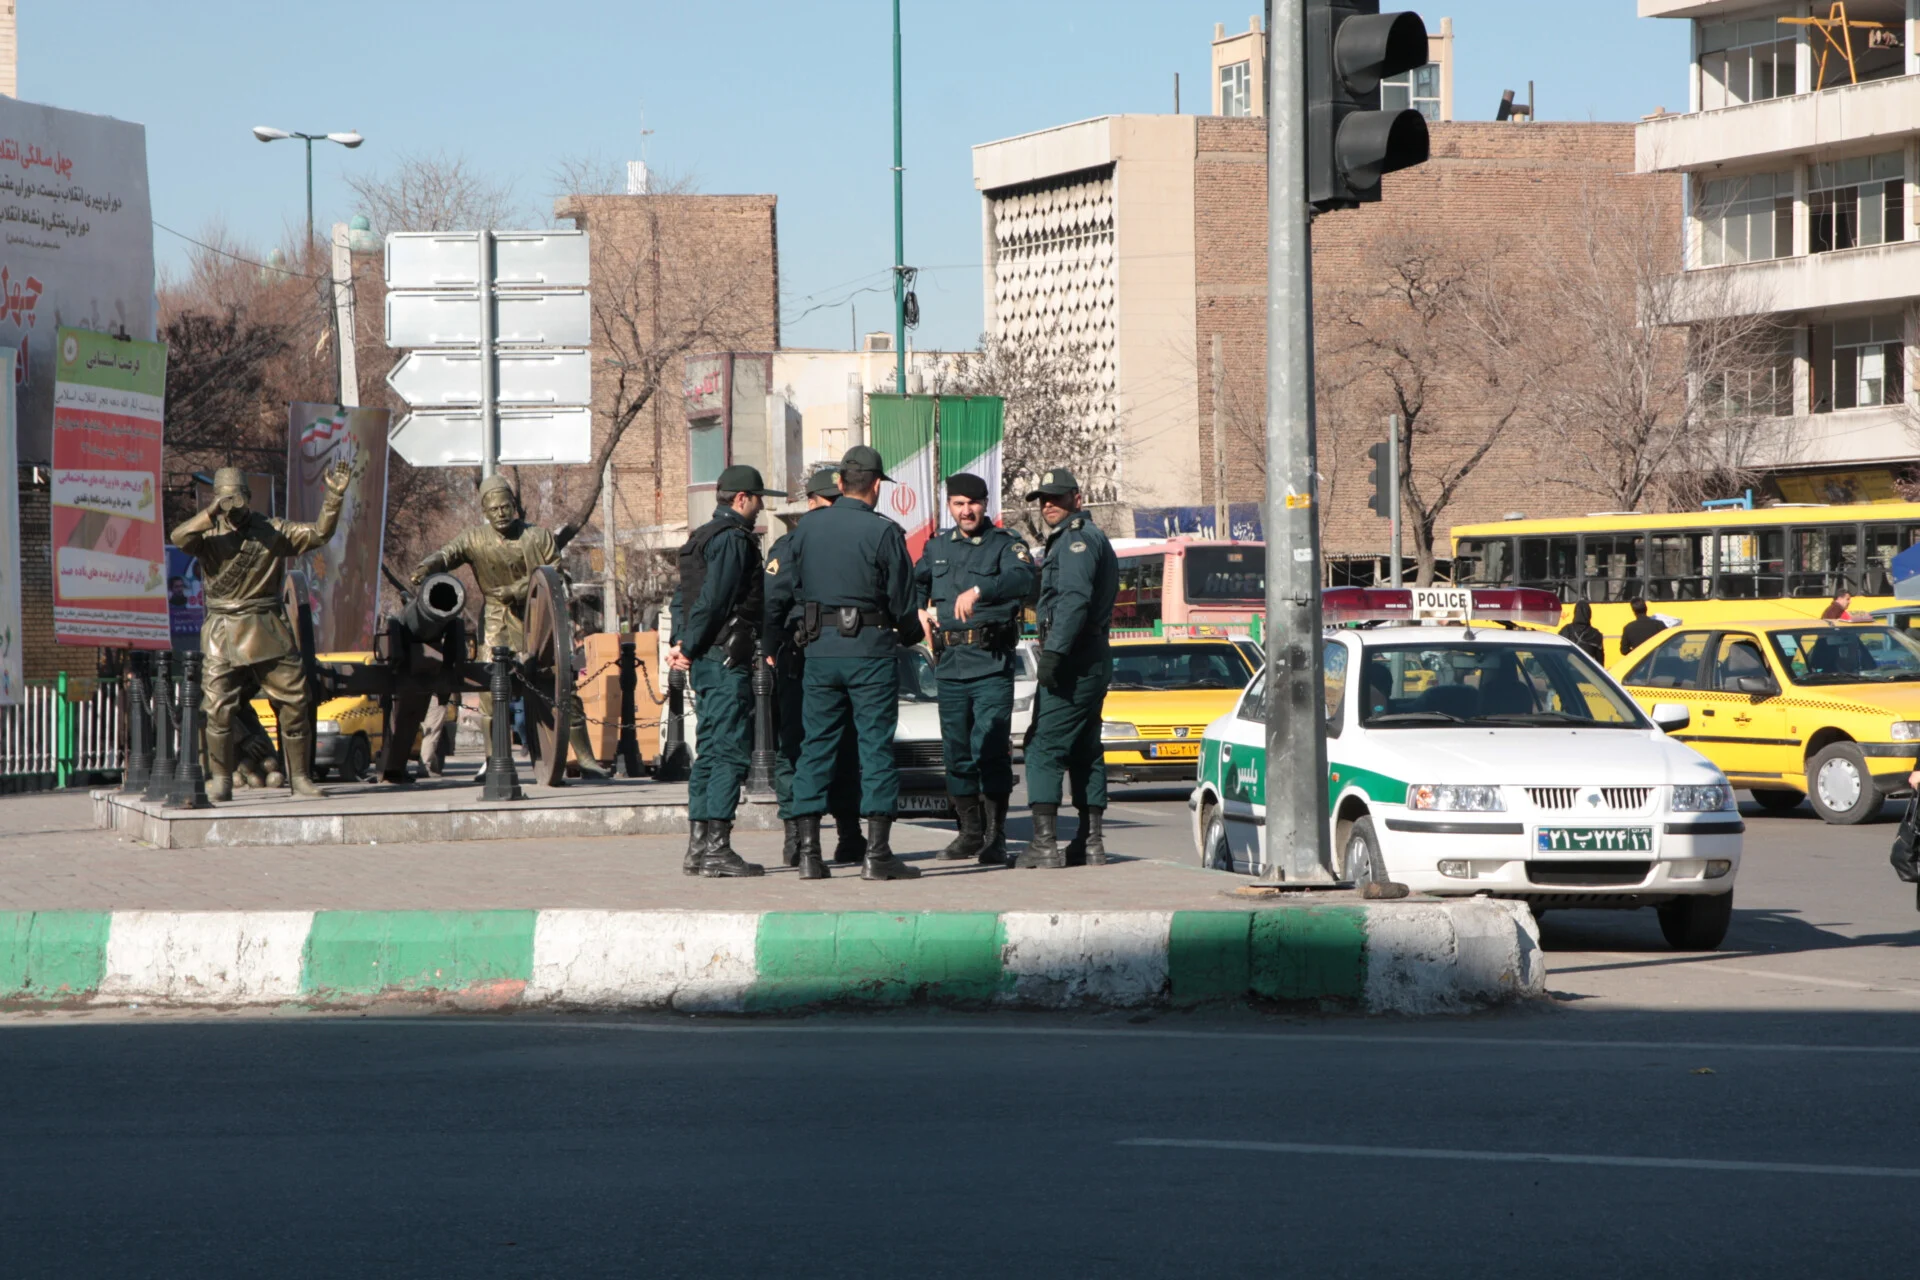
(689, 960)
(205, 957)
(1449, 957)
(1061, 959)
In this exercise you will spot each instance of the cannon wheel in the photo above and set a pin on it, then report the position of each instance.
(294, 594)
(547, 675)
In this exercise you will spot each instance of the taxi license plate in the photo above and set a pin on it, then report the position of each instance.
(1594, 839)
(936, 804)
(1174, 750)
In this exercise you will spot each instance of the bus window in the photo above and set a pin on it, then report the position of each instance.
(1484, 562)
(1825, 561)
(1679, 566)
(1226, 575)
(1137, 603)
(1753, 565)
(1550, 562)
(1614, 566)
(1882, 545)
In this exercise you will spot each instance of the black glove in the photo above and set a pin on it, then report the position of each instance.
(1049, 669)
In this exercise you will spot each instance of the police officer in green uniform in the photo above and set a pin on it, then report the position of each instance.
(717, 613)
(789, 661)
(976, 576)
(853, 579)
(1078, 582)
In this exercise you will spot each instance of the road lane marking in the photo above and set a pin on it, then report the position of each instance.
(1526, 1157)
(1807, 977)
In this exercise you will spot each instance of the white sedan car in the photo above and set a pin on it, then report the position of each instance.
(1465, 760)
(916, 740)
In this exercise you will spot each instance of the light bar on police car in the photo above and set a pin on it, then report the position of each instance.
(1441, 604)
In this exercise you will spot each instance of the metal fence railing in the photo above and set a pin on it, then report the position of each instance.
(49, 737)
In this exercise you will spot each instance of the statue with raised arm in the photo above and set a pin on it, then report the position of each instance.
(246, 637)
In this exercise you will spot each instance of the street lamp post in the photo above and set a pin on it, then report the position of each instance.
(349, 139)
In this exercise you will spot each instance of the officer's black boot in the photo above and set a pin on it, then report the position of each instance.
(850, 846)
(971, 812)
(790, 846)
(881, 864)
(994, 851)
(720, 860)
(696, 846)
(1041, 850)
(1093, 837)
(1075, 853)
(806, 839)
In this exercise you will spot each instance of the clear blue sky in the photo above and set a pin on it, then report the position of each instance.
(790, 98)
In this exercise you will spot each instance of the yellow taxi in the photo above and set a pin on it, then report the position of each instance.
(1829, 711)
(348, 731)
(1164, 692)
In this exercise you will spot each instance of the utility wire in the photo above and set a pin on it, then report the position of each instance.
(264, 266)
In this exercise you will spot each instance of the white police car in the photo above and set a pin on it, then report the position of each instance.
(1466, 758)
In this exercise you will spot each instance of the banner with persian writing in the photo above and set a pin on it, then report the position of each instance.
(109, 546)
(12, 666)
(343, 577)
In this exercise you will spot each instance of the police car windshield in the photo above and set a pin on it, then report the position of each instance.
(1409, 686)
(1180, 666)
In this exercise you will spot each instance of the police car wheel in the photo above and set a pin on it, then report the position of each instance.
(1214, 854)
(1842, 789)
(1362, 854)
(1697, 923)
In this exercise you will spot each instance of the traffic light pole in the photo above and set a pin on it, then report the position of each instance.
(1393, 488)
(1296, 781)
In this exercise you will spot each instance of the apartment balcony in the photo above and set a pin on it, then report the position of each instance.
(1753, 134)
(1848, 438)
(1879, 275)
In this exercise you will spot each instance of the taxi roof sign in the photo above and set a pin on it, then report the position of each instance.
(1441, 604)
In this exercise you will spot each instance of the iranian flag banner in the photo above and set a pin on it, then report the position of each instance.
(902, 428)
(972, 431)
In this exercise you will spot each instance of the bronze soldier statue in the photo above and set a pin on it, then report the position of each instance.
(246, 639)
(503, 553)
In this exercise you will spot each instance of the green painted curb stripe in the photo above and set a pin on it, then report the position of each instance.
(1301, 953)
(877, 957)
(47, 955)
(352, 953)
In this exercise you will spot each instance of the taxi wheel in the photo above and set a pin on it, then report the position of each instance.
(359, 759)
(1840, 786)
(1214, 855)
(1362, 854)
(1778, 801)
(1697, 923)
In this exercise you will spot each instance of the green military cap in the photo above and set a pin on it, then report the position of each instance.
(824, 483)
(864, 458)
(1057, 483)
(740, 478)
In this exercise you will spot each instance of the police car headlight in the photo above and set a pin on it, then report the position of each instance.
(1469, 799)
(324, 727)
(1023, 703)
(1117, 729)
(1905, 731)
(1709, 798)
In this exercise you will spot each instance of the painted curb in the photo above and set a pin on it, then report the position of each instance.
(1408, 958)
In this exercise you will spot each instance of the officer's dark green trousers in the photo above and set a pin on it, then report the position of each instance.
(861, 694)
(843, 797)
(1066, 738)
(723, 745)
(976, 734)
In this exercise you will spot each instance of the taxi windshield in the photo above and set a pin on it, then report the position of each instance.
(1410, 686)
(1180, 666)
(1847, 655)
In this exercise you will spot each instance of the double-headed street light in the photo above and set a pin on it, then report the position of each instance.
(349, 139)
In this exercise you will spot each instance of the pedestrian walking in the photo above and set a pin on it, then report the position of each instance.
(975, 577)
(1641, 629)
(1078, 582)
(789, 659)
(717, 614)
(1583, 633)
(1839, 609)
(847, 566)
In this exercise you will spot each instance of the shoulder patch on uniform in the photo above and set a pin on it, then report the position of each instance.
(773, 565)
(1077, 546)
(1020, 550)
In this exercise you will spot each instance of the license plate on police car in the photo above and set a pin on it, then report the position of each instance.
(1594, 839)
(938, 804)
(1174, 750)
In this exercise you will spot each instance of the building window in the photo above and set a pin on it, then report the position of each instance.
(1418, 89)
(1745, 219)
(1748, 61)
(1236, 89)
(1858, 364)
(1761, 389)
(1858, 201)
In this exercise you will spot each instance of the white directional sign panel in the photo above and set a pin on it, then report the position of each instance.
(450, 319)
(449, 379)
(451, 259)
(528, 437)
(522, 317)
(555, 259)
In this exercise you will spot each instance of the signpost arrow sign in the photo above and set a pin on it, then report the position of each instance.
(451, 259)
(528, 437)
(449, 379)
(522, 317)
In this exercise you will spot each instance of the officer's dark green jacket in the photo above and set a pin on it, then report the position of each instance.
(848, 555)
(1078, 583)
(733, 561)
(952, 563)
(782, 604)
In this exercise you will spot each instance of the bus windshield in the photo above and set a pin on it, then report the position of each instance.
(1850, 655)
(1236, 573)
(1415, 686)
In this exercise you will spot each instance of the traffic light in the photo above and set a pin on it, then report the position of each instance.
(1380, 501)
(1351, 48)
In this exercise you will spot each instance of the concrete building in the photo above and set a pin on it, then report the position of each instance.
(1801, 163)
(829, 388)
(1240, 75)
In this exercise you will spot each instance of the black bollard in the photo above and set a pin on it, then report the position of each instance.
(629, 749)
(139, 770)
(500, 782)
(189, 779)
(160, 775)
(676, 762)
(760, 766)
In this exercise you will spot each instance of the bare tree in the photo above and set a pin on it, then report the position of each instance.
(594, 173)
(435, 193)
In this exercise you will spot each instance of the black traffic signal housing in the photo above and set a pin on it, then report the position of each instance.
(1380, 501)
(1351, 47)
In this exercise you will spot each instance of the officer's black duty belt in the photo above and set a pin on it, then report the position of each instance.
(987, 636)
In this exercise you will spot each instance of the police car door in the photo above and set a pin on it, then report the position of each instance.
(1243, 778)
